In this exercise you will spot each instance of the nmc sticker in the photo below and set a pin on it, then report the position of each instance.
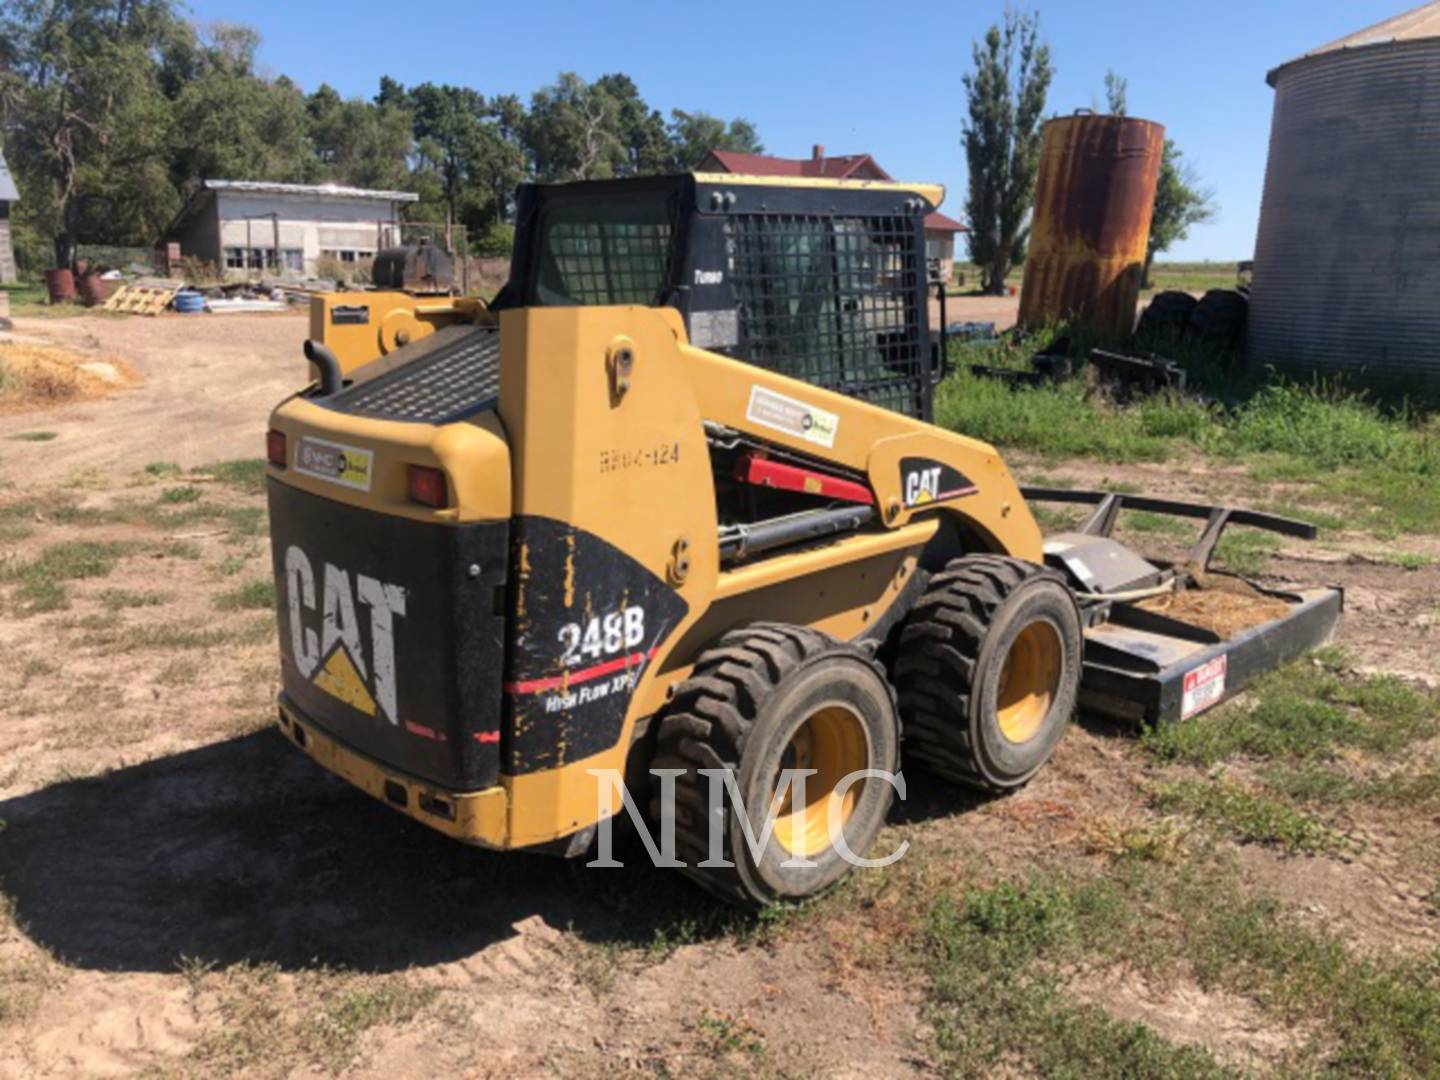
(1204, 686)
(336, 462)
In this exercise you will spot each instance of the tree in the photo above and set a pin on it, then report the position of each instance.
(85, 116)
(641, 130)
(1006, 95)
(694, 134)
(358, 143)
(449, 138)
(1115, 90)
(1181, 200)
(232, 124)
(574, 131)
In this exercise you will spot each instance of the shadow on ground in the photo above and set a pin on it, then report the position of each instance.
(245, 850)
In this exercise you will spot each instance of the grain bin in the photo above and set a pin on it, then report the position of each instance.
(1093, 200)
(1347, 257)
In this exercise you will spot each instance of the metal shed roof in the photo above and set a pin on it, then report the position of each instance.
(1417, 24)
(268, 187)
(8, 192)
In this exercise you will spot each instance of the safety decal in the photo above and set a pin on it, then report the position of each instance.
(340, 464)
(1203, 687)
(796, 418)
(923, 481)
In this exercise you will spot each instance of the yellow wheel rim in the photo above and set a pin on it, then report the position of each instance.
(832, 742)
(1029, 681)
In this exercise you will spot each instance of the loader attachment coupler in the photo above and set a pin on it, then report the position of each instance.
(1164, 642)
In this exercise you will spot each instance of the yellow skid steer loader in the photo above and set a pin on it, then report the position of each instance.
(673, 502)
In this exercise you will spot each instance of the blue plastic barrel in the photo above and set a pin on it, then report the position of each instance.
(189, 303)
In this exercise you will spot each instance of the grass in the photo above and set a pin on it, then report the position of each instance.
(1192, 276)
(1325, 785)
(995, 996)
(1000, 961)
(122, 638)
(247, 474)
(189, 493)
(264, 1032)
(124, 599)
(1143, 521)
(1248, 816)
(1378, 463)
(1407, 560)
(35, 436)
(1309, 710)
(257, 595)
(1245, 551)
(41, 582)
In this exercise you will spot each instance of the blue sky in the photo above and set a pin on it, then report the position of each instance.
(851, 76)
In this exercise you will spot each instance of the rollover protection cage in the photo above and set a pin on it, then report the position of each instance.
(821, 283)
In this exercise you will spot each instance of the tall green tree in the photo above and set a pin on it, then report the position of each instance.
(449, 137)
(231, 123)
(360, 143)
(574, 131)
(1006, 95)
(1182, 200)
(85, 116)
(1116, 90)
(694, 134)
(644, 142)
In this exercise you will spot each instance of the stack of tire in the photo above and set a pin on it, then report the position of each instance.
(1217, 318)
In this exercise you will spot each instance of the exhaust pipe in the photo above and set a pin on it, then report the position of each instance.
(320, 355)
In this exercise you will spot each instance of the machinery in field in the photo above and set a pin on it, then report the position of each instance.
(673, 502)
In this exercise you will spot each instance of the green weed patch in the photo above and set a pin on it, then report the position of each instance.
(1306, 710)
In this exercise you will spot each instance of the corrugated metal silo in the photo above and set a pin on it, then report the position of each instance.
(1347, 258)
(1093, 200)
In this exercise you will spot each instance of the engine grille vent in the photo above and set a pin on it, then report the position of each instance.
(452, 374)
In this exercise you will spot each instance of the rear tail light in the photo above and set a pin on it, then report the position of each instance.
(275, 448)
(427, 486)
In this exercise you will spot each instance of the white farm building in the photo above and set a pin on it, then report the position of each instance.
(293, 230)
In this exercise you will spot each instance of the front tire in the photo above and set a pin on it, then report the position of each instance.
(762, 699)
(988, 671)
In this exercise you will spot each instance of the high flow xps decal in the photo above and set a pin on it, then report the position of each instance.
(588, 621)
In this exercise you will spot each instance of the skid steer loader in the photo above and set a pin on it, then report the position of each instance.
(673, 502)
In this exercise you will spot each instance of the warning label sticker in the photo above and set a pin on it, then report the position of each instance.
(1204, 686)
(793, 417)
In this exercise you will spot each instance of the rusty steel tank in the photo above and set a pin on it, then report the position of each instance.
(1093, 201)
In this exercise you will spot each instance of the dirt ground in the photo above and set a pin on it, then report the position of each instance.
(182, 893)
(209, 382)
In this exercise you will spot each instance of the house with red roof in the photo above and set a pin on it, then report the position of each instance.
(940, 230)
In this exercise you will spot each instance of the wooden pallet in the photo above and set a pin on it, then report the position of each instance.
(141, 299)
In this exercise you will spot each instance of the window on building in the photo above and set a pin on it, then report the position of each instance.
(294, 259)
(234, 258)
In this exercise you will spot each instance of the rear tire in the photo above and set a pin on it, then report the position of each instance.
(767, 697)
(1167, 315)
(1220, 317)
(988, 671)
